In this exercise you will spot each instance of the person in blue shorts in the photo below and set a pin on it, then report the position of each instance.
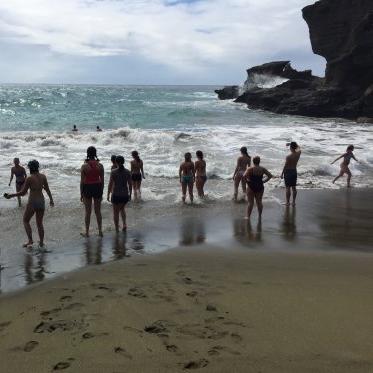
(289, 172)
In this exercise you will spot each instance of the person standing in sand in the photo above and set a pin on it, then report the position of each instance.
(137, 174)
(289, 172)
(36, 182)
(187, 177)
(345, 163)
(200, 173)
(243, 162)
(120, 188)
(91, 188)
(20, 173)
(254, 178)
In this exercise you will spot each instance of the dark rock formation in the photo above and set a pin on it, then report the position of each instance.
(228, 93)
(342, 32)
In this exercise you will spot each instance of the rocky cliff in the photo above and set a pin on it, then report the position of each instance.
(342, 32)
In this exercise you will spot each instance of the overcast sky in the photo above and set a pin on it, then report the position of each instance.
(149, 41)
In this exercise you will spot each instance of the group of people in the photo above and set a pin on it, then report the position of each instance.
(123, 182)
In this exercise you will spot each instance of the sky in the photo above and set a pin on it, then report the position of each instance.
(149, 41)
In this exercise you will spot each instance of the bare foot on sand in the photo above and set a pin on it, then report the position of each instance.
(28, 244)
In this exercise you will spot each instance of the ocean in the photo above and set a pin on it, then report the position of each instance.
(162, 123)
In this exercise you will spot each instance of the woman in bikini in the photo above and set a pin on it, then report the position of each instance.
(200, 173)
(187, 177)
(254, 177)
(137, 174)
(20, 173)
(36, 182)
(120, 188)
(345, 163)
(243, 162)
(91, 188)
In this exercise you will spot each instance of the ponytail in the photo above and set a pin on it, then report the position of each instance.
(135, 155)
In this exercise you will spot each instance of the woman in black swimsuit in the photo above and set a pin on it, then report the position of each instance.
(120, 188)
(254, 177)
(137, 174)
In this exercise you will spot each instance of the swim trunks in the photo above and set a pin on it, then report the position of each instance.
(187, 179)
(118, 200)
(290, 176)
(92, 191)
(136, 177)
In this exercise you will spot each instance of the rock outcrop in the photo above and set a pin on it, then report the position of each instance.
(228, 92)
(342, 32)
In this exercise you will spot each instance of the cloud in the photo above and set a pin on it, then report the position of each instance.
(183, 35)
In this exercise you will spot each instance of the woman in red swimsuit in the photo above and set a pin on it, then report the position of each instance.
(91, 188)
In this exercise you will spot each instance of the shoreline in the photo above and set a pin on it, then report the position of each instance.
(342, 226)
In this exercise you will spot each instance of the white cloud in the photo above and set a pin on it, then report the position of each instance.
(184, 36)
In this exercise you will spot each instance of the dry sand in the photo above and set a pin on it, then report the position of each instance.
(204, 309)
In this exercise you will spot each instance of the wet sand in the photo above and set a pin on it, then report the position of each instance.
(325, 220)
(293, 294)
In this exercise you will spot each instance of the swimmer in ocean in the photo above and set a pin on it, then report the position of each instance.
(187, 177)
(20, 173)
(290, 173)
(243, 162)
(345, 164)
(35, 183)
(137, 174)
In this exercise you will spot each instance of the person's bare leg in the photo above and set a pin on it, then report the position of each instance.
(340, 175)
(88, 212)
(259, 203)
(97, 207)
(190, 189)
(139, 189)
(39, 223)
(250, 205)
(116, 217)
(349, 175)
(243, 185)
(237, 181)
(183, 191)
(124, 217)
(29, 213)
(288, 195)
(203, 188)
(295, 192)
(135, 190)
(19, 201)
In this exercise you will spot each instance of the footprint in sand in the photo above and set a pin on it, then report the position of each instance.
(136, 292)
(196, 364)
(66, 298)
(4, 325)
(236, 337)
(74, 306)
(216, 350)
(172, 348)
(122, 352)
(29, 346)
(156, 328)
(61, 365)
(63, 325)
(192, 294)
(50, 312)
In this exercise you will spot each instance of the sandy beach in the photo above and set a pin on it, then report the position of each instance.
(292, 294)
(197, 308)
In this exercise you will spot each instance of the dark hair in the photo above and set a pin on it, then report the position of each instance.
(188, 157)
(293, 145)
(113, 158)
(120, 162)
(351, 147)
(243, 150)
(92, 154)
(256, 160)
(199, 154)
(33, 166)
(16, 160)
(135, 155)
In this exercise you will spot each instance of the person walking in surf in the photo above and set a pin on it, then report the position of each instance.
(137, 174)
(91, 188)
(200, 173)
(243, 162)
(120, 189)
(20, 173)
(254, 178)
(35, 183)
(290, 173)
(345, 164)
(187, 177)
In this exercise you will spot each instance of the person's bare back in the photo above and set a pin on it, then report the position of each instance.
(200, 167)
(292, 160)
